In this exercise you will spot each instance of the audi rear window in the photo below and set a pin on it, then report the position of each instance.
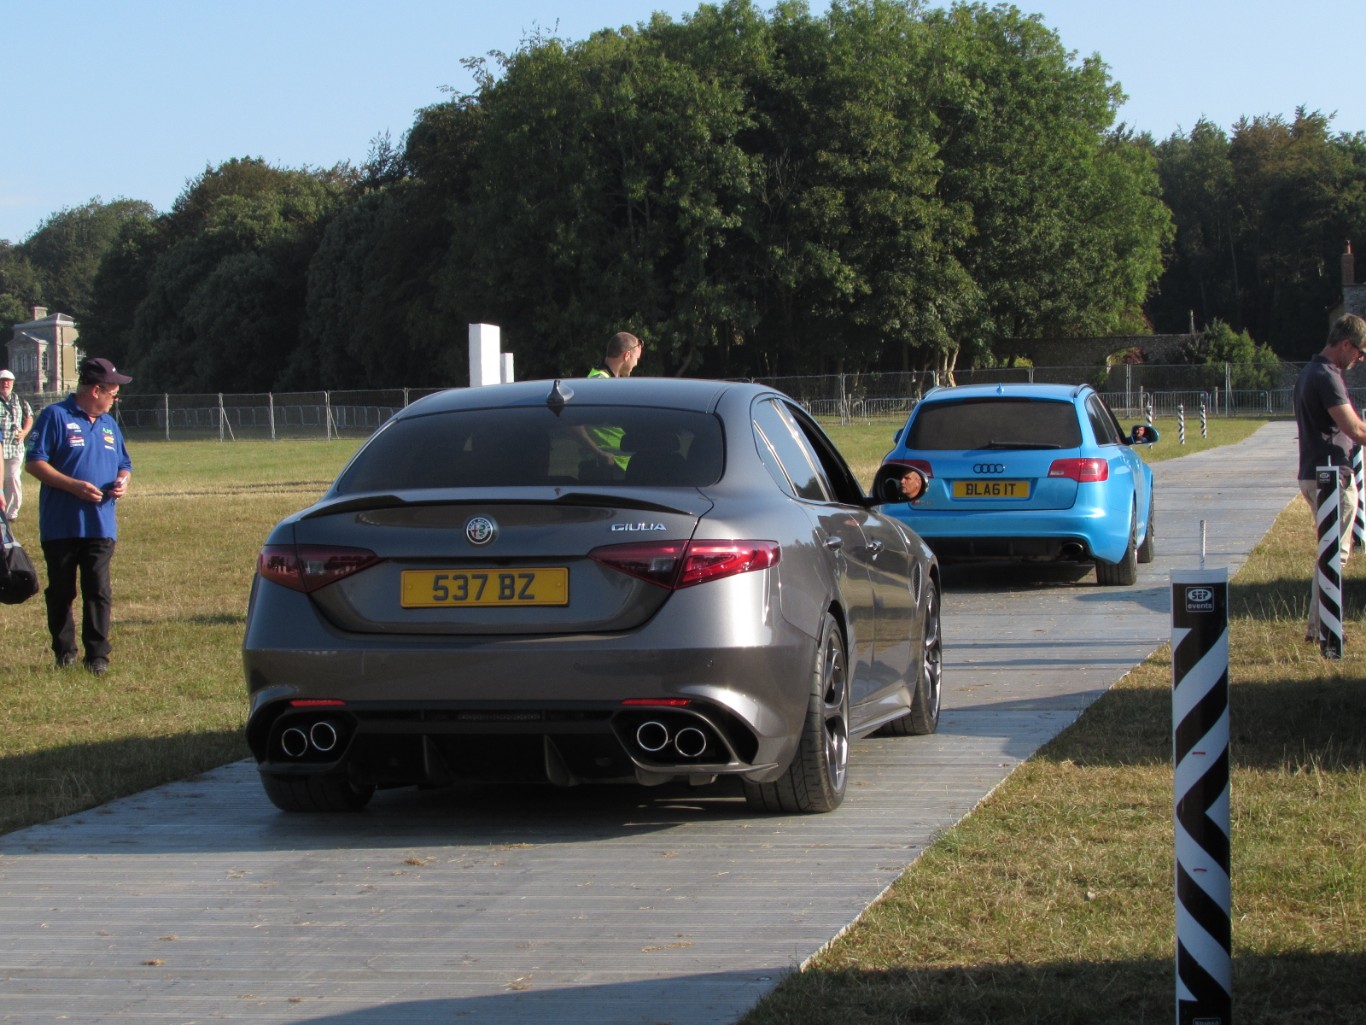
(994, 424)
(534, 447)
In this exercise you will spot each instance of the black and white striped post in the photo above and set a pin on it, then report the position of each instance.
(1181, 422)
(1204, 934)
(1359, 519)
(1329, 571)
(1204, 420)
(1149, 410)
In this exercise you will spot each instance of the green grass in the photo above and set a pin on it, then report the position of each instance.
(174, 700)
(1051, 903)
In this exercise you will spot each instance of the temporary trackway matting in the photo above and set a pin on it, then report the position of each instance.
(198, 902)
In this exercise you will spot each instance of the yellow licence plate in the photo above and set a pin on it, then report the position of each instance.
(991, 489)
(441, 588)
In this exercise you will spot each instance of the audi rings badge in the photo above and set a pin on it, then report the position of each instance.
(989, 468)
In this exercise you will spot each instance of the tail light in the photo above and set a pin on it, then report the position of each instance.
(678, 564)
(309, 567)
(1083, 471)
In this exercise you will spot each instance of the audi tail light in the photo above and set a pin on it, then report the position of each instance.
(1083, 471)
(308, 567)
(678, 564)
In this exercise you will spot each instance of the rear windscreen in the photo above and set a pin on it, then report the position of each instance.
(533, 447)
(995, 423)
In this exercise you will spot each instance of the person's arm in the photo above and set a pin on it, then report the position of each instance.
(1349, 423)
(125, 471)
(54, 478)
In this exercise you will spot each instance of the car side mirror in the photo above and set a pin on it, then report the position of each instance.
(899, 482)
(1143, 434)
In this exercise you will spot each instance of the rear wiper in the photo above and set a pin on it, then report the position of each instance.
(1019, 444)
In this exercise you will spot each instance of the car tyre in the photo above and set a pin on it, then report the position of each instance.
(316, 793)
(1145, 550)
(818, 776)
(1125, 571)
(925, 699)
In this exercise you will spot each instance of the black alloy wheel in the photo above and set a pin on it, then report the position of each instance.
(818, 776)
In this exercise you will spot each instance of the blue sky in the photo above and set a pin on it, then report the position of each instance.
(133, 98)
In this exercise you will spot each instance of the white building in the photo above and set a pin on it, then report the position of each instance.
(43, 354)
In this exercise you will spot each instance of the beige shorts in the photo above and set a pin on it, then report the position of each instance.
(1348, 496)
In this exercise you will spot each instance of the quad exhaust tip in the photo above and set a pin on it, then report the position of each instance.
(654, 736)
(321, 737)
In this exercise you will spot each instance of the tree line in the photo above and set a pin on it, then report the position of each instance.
(883, 186)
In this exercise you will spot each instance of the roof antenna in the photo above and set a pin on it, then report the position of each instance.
(559, 396)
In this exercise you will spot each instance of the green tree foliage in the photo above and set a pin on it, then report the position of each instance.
(1262, 218)
(67, 249)
(858, 259)
(120, 285)
(222, 279)
(1068, 223)
(370, 317)
(56, 265)
(880, 186)
(1252, 366)
(21, 286)
(1201, 277)
(607, 178)
(787, 193)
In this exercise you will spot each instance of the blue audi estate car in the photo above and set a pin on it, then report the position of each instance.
(1027, 471)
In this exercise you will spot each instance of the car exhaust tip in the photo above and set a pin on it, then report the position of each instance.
(690, 742)
(652, 736)
(294, 742)
(323, 736)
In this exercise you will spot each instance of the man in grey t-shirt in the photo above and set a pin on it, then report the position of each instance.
(1329, 430)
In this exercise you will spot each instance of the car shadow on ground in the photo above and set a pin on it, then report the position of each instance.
(224, 810)
(1013, 575)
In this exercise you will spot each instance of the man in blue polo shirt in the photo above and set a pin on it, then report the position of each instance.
(77, 453)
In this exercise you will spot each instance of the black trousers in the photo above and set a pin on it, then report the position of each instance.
(89, 558)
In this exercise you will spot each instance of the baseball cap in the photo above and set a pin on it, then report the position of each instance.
(100, 371)
(5, 375)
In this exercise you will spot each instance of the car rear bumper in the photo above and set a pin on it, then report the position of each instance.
(1080, 533)
(646, 705)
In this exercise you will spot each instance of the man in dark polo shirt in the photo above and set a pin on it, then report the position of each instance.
(77, 453)
(1329, 429)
